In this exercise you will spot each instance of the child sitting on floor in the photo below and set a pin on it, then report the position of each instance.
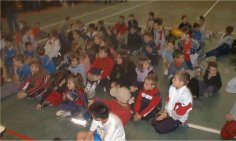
(211, 80)
(99, 72)
(148, 102)
(143, 69)
(74, 99)
(149, 48)
(37, 82)
(178, 106)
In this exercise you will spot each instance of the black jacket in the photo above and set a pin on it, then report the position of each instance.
(214, 81)
(124, 78)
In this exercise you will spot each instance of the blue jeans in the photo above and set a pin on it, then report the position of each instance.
(223, 49)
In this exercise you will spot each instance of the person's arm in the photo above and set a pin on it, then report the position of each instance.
(137, 103)
(233, 111)
(107, 69)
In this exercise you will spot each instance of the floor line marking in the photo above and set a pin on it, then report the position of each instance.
(80, 16)
(203, 128)
(209, 10)
(18, 135)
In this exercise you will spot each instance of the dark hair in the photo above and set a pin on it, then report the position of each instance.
(54, 32)
(58, 77)
(148, 34)
(177, 53)
(101, 22)
(183, 16)
(67, 18)
(125, 60)
(183, 76)
(8, 38)
(212, 64)
(99, 110)
(202, 18)
(92, 26)
(134, 27)
(122, 17)
(20, 58)
(40, 50)
(158, 21)
(25, 29)
(151, 14)
(131, 15)
(196, 25)
(187, 30)
(28, 44)
(229, 29)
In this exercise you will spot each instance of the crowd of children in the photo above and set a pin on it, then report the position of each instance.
(66, 71)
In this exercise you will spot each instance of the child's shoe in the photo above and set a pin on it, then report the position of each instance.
(62, 113)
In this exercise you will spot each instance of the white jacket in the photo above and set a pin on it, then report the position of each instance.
(179, 103)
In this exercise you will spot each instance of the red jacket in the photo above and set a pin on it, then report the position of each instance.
(106, 64)
(153, 98)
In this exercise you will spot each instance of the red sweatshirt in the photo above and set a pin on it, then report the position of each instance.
(120, 28)
(151, 98)
(106, 64)
(187, 48)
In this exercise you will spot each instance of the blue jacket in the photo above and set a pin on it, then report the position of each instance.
(48, 64)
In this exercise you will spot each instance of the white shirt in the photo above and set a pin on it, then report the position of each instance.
(112, 130)
(52, 48)
(179, 98)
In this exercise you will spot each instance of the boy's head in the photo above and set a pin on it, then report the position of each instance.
(29, 46)
(35, 65)
(147, 37)
(99, 111)
(74, 59)
(100, 23)
(170, 45)
(91, 27)
(40, 50)
(229, 29)
(180, 79)
(157, 23)
(122, 57)
(150, 82)
(212, 68)
(121, 19)
(178, 56)
(201, 20)
(196, 26)
(104, 51)
(19, 60)
(184, 18)
(131, 16)
(133, 29)
(186, 33)
(151, 14)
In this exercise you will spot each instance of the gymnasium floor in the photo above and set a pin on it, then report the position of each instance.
(205, 121)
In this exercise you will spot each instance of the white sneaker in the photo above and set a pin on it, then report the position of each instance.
(62, 113)
(79, 120)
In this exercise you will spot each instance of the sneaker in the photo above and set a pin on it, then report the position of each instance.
(166, 72)
(79, 121)
(62, 113)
